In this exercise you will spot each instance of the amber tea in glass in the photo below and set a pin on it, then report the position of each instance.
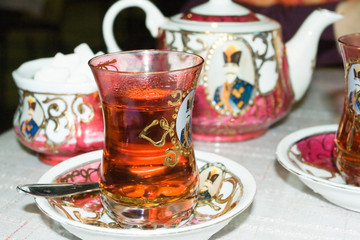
(149, 177)
(347, 142)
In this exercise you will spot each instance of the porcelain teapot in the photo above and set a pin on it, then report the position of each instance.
(250, 77)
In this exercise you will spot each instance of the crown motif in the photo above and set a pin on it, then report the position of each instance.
(31, 102)
(232, 54)
(357, 71)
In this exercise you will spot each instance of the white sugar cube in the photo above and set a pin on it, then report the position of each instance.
(70, 68)
(69, 61)
(82, 72)
(84, 52)
(77, 78)
(51, 74)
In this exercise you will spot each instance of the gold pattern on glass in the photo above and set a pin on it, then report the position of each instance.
(173, 154)
(108, 65)
(176, 94)
(164, 124)
(140, 202)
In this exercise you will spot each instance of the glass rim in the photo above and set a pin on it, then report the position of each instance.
(344, 40)
(201, 61)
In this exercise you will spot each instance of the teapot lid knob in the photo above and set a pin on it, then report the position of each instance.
(220, 11)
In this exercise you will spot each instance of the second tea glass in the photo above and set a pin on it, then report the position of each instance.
(149, 177)
(347, 142)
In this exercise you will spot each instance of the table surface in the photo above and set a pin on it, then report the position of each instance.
(284, 208)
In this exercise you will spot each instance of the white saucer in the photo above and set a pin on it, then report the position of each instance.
(84, 216)
(308, 154)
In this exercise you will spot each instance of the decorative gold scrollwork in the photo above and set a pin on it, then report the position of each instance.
(54, 108)
(56, 113)
(176, 94)
(83, 110)
(171, 43)
(72, 207)
(262, 56)
(108, 65)
(59, 113)
(186, 39)
(173, 154)
(83, 173)
(220, 202)
(164, 124)
(60, 203)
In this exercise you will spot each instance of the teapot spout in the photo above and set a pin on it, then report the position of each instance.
(302, 48)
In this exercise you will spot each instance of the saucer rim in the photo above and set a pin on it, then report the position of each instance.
(288, 141)
(246, 178)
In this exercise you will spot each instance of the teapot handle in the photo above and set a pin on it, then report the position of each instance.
(154, 18)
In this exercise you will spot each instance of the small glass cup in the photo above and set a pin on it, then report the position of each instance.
(347, 142)
(149, 178)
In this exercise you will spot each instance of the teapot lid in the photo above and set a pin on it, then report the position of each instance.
(220, 11)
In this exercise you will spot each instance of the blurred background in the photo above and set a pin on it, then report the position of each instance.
(31, 29)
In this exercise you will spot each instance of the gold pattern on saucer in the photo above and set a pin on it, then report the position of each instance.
(212, 178)
(297, 159)
(95, 220)
(87, 208)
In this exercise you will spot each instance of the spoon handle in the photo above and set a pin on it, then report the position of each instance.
(57, 189)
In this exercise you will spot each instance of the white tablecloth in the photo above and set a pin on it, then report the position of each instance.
(283, 208)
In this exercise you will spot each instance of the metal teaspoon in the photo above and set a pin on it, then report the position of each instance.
(57, 189)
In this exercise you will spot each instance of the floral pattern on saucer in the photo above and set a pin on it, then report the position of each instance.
(308, 154)
(220, 192)
(314, 155)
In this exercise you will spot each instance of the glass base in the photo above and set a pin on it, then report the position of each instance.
(348, 165)
(164, 216)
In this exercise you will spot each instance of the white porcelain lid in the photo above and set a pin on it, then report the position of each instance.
(220, 16)
(220, 11)
(220, 8)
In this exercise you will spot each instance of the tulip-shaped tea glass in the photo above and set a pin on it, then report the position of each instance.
(149, 177)
(347, 148)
